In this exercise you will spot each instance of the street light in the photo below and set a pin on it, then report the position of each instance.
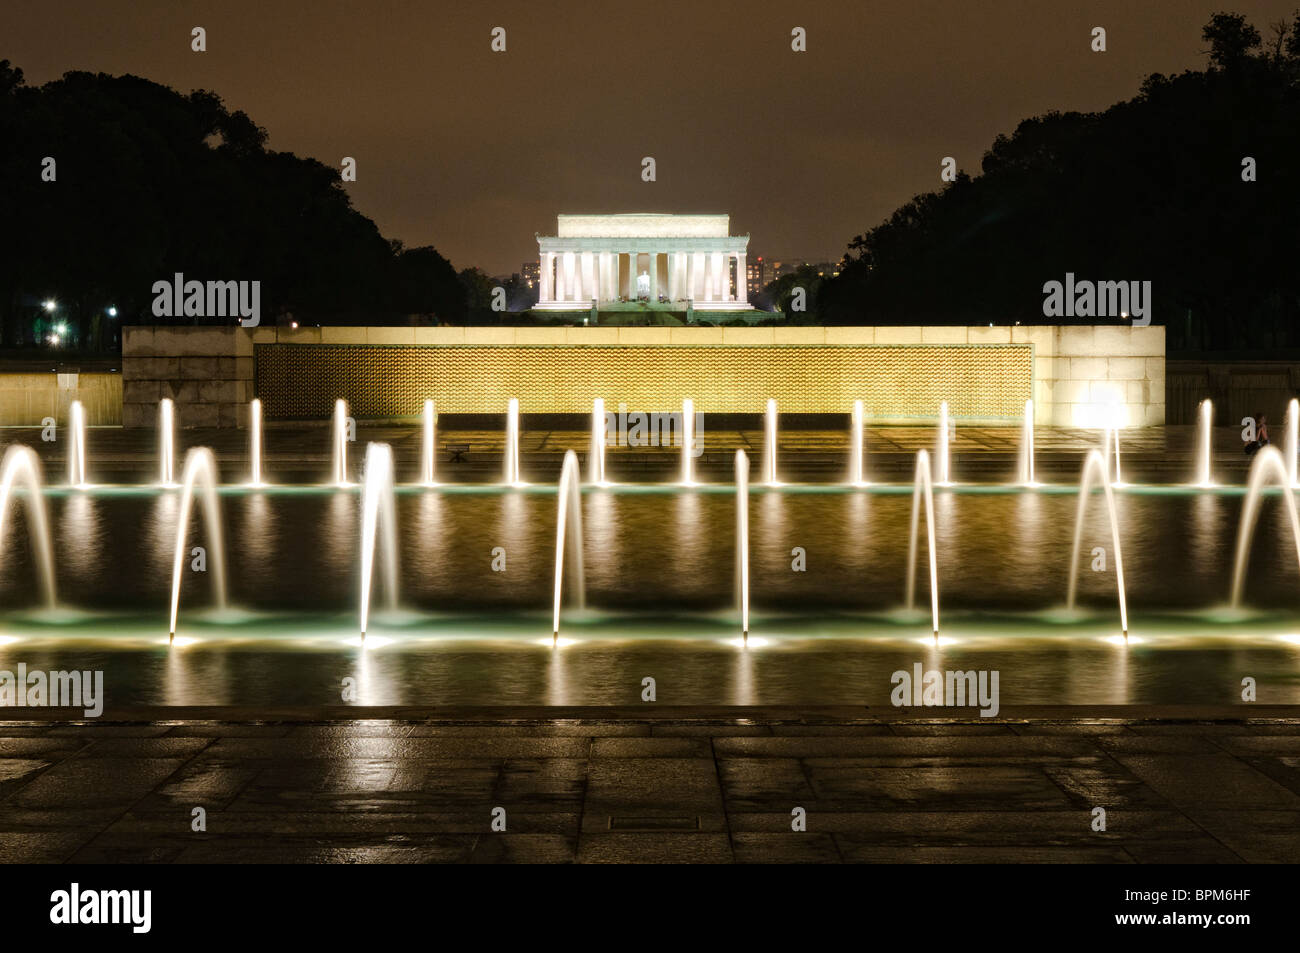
(49, 304)
(112, 311)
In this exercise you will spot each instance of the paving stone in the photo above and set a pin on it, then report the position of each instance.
(787, 848)
(654, 848)
(34, 847)
(663, 788)
(652, 748)
(94, 782)
(1209, 781)
(525, 849)
(854, 850)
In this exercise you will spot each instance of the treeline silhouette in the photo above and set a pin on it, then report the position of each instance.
(150, 182)
(1151, 189)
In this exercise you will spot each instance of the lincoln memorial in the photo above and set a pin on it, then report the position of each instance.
(660, 260)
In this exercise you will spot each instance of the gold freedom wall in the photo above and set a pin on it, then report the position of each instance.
(302, 381)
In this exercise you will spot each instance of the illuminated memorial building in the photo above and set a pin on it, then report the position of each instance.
(656, 260)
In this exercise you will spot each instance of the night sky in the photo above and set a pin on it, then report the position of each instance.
(474, 151)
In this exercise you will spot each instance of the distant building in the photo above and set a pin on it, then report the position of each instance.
(788, 266)
(756, 275)
(532, 274)
(671, 261)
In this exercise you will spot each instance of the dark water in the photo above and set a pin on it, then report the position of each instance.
(660, 573)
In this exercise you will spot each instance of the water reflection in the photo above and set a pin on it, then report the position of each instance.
(661, 570)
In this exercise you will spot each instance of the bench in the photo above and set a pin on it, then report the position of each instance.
(457, 452)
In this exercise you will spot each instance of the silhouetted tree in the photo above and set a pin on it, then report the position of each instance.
(151, 182)
(1151, 189)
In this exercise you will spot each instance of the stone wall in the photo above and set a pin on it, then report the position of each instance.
(207, 372)
(1238, 388)
(27, 398)
(1081, 374)
(1080, 371)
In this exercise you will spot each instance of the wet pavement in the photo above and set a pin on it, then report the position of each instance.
(1178, 785)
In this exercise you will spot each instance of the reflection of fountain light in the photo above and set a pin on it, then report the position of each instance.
(255, 442)
(21, 465)
(77, 450)
(1094, 465)
(921, 488)
(743, 691)
(1109, 440)
(427, 470)
(944, 472)
(742, 540)
(937, 641)
(557, 681)
(1027, 446)
(377, 505)
(857, 466)
(568, 530)
(688, 442)
(81, 520)
(1206, 418)
(512, 474)
(1268, 464)
(1123, 640)
(596, 456)
(166, 442)
(200, 466)
(769, 444)
(341, 443)
(1292, 443)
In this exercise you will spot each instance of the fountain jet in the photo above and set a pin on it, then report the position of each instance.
(1109, 440)
(427, 470)
(688, 442)
(77, 448)
(568, 530)
(1292, 444)
(376, 509)
(512, 444)
(944, 478)
(1268, 464)
(596, 456)
(166, 442)
(922, 488)
(200, 469)
(21, 465)
(1094, 466)
(1206, 418)
(341, 443)
(857, 466)
(742, 540)
(255, 442)
(1027, 446)
(769, 444)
